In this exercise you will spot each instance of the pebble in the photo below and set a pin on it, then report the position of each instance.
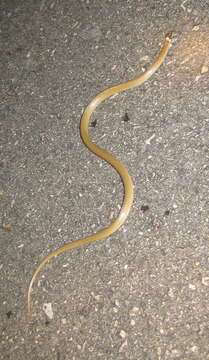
(134, 311)
(192, 287)
(47, 308)
(204, 69)
(124, 344)
(205, 280)
(123, 334)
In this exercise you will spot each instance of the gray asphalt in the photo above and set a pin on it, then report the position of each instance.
(142, 293)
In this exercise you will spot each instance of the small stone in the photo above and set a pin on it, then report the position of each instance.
(176, 352)
(97, 297)
(205, 280)
(123, 334)
(116, 323)
(47, 308)
(197, 78)
(117, 302)
(204, 69)
(124, 344)
(192, 287)
(195, 28)
(144, 58)
(194, 348)
(171, 293)
(134, 311)
(159, 352)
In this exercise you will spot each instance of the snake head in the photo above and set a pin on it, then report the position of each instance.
(171, 36)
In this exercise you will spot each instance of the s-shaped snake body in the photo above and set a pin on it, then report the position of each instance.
(119, 167)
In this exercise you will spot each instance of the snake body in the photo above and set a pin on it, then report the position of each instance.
(116, 164)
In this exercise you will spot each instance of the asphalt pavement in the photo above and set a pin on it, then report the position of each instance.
(143, 292)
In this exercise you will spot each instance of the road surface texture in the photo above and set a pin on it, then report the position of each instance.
(142, 293)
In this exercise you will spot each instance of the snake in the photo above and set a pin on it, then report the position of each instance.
(115, 163)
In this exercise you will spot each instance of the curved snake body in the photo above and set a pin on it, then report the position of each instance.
(119, 167)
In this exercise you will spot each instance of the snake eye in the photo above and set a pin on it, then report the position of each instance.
(169, 35)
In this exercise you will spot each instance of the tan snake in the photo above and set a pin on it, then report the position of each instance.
(119, 167)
